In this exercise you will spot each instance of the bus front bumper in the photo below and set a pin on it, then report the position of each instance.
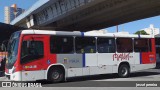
(15, 76)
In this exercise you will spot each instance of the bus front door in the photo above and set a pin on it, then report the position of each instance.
(33, 57)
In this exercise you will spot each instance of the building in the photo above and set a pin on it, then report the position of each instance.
(10, 13)
(152, 30)
(98, 31)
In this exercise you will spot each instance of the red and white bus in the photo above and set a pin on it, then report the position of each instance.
(57, 55)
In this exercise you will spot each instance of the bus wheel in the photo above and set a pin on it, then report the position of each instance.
(56, 75)
(123, 71)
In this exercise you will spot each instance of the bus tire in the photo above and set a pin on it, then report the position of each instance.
(56, 75)
(123, 71)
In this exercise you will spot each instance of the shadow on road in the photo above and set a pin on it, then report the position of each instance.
(110, 76)
(141, 74)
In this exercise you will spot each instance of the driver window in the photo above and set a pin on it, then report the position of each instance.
(35, 49)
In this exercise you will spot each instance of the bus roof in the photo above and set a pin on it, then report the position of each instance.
(77, 33)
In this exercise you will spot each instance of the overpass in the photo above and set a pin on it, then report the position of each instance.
(85, 15)
(6, 30)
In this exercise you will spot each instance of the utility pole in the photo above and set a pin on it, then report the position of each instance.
(117, 28)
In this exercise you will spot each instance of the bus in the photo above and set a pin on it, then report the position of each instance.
(157, 43)
(57, 55)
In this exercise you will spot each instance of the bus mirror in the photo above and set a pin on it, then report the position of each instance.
(3, 46)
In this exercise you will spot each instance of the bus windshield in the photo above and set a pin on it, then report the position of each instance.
(12, 50)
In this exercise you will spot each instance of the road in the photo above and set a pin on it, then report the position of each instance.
(98, 80)
(104, 82)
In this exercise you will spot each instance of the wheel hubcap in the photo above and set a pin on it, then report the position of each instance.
(124, 71)
(55, 75)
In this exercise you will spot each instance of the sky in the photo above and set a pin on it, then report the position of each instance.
(131, 27)
(134, 26)
(25, 4)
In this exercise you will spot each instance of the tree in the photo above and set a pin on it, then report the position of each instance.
(142, 32)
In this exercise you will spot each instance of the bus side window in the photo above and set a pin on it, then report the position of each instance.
(124, 45)
(85, 44)
(106, 45)
(61, 44)
(142, 45)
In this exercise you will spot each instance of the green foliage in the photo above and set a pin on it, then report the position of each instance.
(142, 32)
